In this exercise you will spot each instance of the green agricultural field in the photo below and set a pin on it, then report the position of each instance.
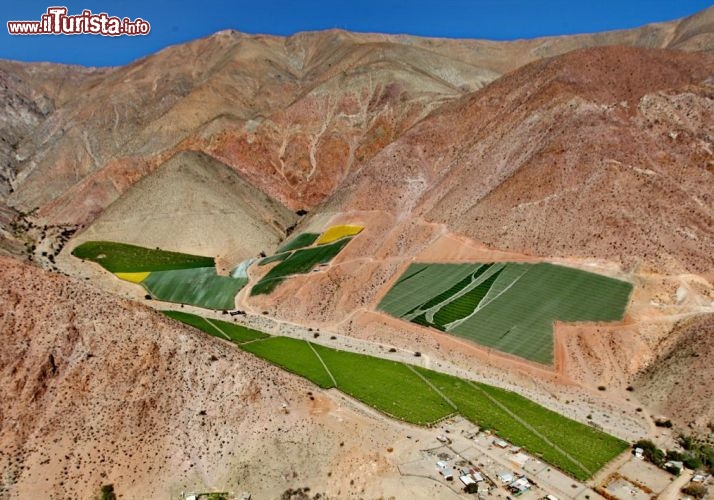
(121, 257)
(422, 396)
(505, 306)
(390, 387)
(300, 241)
(293, 355)
(299, 262)
(200, 287)
(278, 257)
(217, 328)
(573, 447)
(171, 276)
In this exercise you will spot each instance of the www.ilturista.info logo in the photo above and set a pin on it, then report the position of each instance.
(57, 22)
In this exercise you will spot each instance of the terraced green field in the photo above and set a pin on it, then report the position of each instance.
(299, 262)
(200, 286)
(122, 257)
(506, 306)
(300, 241)
(422, 396)
(293, 355)
(278, 257)
(170, 276)
(217, 328)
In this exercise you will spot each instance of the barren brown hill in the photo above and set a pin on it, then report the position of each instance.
(600, 153)
(98, 390)
(10, 244)
(194, 204)
(295, 115)
(678, 383)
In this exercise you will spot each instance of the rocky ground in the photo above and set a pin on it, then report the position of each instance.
(99, 390)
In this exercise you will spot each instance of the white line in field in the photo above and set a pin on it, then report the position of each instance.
(529, 427)
(456, 323)
(479, 307)
(467, 289)
(433, 387)
(323, 364)
(216, 327)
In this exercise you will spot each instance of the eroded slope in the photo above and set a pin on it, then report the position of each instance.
(100, 390)
(194, 204)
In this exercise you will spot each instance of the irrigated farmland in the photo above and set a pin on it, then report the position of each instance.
(423, 396)
(168, 276)
(336, 232)
(200, 286)
(300, 241)
(506, 306)
(218, 328)
(299, 262)
(122, 257)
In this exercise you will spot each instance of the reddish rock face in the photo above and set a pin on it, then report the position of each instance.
(99, 390)
(599, 153)
(296, 116)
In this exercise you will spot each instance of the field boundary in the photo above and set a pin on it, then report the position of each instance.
(505, 306)
(433, 387)
(332, 377)
(530, 428)
(217, 328)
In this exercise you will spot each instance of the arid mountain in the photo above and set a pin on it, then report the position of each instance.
(295, 115)
(194, 204)
(10, 244)
(603, 153)
(600, 158)
(98, 390)
(679, 383)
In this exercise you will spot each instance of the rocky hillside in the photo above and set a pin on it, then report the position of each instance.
(603, 153)
(98, 390)
(678, 384)
(193, 203)
(294, 115)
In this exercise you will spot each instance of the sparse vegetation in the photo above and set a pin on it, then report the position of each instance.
(698, 453)
(695, 490)
(106, 492)
(651, 452)
(217, 496)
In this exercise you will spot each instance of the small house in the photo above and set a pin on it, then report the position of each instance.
(519, 486)
(505, 477)
(500, 443)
